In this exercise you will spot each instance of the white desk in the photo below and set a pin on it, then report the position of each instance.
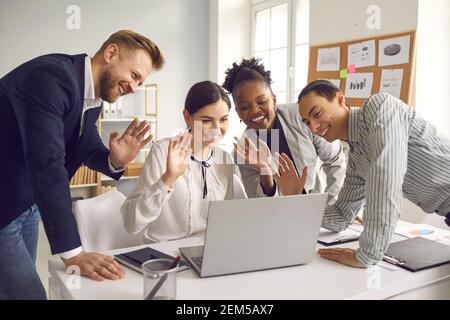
(320, 279)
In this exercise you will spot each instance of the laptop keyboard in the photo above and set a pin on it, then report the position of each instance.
(198, 261)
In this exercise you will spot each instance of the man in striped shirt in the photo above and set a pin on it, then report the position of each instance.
(394, 153)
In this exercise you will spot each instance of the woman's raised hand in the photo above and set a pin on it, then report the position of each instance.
(178, 157)
(258, 155)
(289, 183)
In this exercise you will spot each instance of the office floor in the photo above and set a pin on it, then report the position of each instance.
(42, 257)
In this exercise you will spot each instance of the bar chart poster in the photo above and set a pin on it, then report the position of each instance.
(359, 85)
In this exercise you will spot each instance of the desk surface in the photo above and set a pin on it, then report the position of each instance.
(320, 279)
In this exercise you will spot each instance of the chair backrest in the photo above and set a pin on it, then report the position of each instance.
(100, 223)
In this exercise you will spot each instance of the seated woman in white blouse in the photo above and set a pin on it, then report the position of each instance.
(182, 174)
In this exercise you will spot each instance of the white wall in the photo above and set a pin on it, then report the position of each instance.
(433, 71)
(229, 41)
(433, 63)
(179, 27)
(332, 20)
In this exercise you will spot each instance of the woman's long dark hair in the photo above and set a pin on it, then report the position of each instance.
(202, 94)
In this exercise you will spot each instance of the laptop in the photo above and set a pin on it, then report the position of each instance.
(256, 234)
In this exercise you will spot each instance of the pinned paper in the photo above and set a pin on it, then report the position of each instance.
(329, 59)
(343, 74)
(359, 85)
(394, 51)
(352, 68)
(362, 54)
(391, 82)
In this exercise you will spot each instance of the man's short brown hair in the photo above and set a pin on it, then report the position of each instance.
(132, 40)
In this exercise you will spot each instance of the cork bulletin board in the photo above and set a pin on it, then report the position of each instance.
(397, 65)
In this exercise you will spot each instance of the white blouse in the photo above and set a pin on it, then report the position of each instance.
(163, 214)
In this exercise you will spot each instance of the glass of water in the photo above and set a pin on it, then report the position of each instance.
(160, 279)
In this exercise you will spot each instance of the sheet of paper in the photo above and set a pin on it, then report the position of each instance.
(328, 236)
(391, 81)
(359, 85)
(329, 59)
(343, 73)
(356, 227)
(393, 51)
(425, 231)
(336, 82)
(362, 54)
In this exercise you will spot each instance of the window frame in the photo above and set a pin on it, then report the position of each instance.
(291, 39)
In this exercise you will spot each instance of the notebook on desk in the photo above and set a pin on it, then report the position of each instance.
(135, 259)
(417, 254)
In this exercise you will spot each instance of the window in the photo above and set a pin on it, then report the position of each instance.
(280, 37)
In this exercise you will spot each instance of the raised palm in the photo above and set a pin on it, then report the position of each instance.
(289, 182)
(178, 155)
(123, 149)
(258, 155)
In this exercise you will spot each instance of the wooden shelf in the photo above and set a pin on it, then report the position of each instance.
(83, 185)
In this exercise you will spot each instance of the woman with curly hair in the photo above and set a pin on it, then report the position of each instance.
(277, 154)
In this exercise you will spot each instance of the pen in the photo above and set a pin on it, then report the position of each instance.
(346, 238)
(393, 260)
(162, 280)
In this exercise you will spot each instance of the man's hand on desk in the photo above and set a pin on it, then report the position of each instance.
(96, 266)
(342, 255)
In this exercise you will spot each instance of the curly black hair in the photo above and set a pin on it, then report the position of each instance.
(247, 70)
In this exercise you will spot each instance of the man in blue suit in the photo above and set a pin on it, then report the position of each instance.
(48, 112)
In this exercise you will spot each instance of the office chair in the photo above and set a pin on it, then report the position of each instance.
(100, 223)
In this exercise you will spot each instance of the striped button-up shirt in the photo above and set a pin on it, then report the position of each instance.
(394, 153)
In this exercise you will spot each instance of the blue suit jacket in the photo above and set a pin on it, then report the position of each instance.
(41, 102)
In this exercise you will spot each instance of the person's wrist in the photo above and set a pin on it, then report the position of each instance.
(73, 260)
(265, 170)
(267, 181)
(115, 163)
(267, 184)
(169, 179)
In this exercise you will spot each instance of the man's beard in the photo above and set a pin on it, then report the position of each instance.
(108, 89)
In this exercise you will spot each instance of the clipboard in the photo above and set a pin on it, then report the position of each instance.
(417, 254)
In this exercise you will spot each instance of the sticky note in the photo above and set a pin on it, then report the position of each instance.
(351, 68)
(343, 74)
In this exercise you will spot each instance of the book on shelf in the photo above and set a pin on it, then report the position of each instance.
(84, 175)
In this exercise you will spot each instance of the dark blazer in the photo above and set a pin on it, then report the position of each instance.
(41, 102)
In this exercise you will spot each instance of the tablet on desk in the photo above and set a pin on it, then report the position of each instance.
(135, 259)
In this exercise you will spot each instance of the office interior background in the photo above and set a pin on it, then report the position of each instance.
(202, 38)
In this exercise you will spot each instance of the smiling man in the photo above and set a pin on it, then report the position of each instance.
(394, 153)
(48, 112)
